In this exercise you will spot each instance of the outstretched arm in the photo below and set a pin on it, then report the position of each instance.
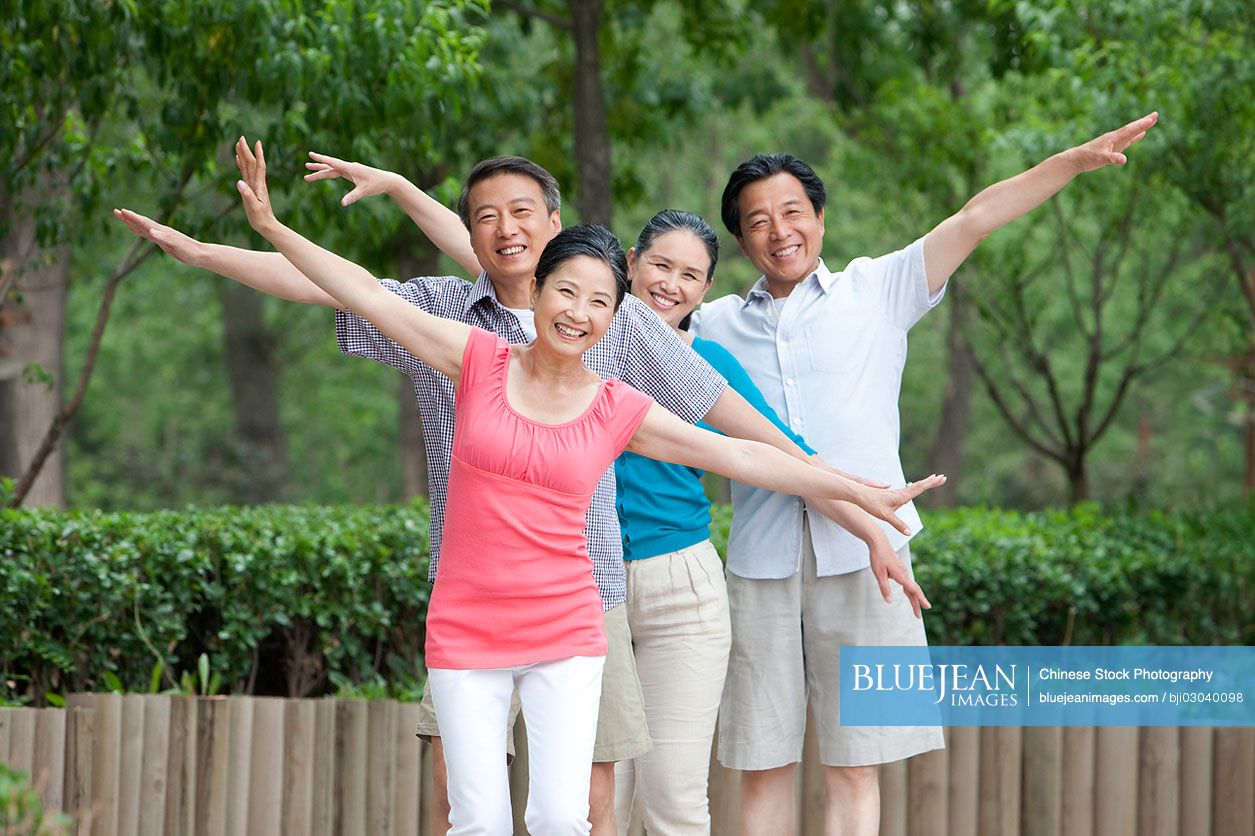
(270, 273)
(442, 226)
(953, 240)
(438, 342)
(666, 437)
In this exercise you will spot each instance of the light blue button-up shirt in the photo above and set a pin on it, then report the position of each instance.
(828, 359)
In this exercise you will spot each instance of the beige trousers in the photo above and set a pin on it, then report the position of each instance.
(677, 607)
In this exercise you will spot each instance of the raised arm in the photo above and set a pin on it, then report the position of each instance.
(953, 240)
(438, 342)
(441, 225)
(665, 437)
(270, 273)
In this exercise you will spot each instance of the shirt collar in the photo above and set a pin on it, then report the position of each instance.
(480, 290)
(822, 276)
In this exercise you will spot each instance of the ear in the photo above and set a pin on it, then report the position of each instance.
(709, 284)
(740, 242)
(533, 291)
(631, 259)
(555, 222)
(820, 216)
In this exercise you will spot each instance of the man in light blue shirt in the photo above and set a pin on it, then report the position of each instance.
(827, 350)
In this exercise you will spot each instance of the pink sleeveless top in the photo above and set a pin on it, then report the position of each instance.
(515, 583)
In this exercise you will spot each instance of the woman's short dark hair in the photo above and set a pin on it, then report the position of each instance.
(592, 240)
(760, 167)
(670, 220)
(494, 166)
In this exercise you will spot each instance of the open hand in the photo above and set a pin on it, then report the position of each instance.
(887, 566)
(252, 186)
(366, 181)
(182, 247)
(1109, 148)
(883, 502)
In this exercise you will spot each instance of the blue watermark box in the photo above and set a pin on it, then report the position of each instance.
(1047, 686)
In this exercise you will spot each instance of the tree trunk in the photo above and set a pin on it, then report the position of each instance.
(1078, 478)
(592, 138)
(250, 352)
(32, 361)
(949, 446)
(1246, 382)
(414, 257)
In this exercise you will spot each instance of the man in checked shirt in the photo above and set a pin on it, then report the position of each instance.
(511, 206)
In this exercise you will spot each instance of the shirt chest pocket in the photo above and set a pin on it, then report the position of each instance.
(840, 342)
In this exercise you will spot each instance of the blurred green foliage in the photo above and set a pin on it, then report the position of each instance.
(305, 601)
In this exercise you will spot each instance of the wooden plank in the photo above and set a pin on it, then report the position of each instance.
(381, 765)
(352, 746)
(1234, 809)
(1115, 781)
(928, 793)
(22, 740)
(48, 765)
(156, 765)
(181, 779)
(893, 798)
(1042, 794)
(213, 758)
(6, 723)
(408, 772)
(812, 783)
(130, 764)
(265, 797)
(1196, 779)
(963, 744)
(239, 762)
(1077, 817)
(298, 767)
(1001, 767)
(724, 794)
(323, 814)
(79, 742)
(1159, 780)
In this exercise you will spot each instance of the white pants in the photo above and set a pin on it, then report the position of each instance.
(678, 611)
(560, 702)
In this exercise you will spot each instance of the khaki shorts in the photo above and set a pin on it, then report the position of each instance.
(786, 640)
(621, 729)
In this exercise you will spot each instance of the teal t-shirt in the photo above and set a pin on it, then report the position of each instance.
(662, 506)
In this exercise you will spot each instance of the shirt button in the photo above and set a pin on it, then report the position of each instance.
(788, 382)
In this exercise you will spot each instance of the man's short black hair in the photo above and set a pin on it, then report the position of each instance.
(493, 166)
(760, 167)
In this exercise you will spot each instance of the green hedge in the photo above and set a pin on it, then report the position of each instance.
(299, 601)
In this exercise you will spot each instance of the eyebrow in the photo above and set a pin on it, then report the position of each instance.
(524, 200)
(793, 201)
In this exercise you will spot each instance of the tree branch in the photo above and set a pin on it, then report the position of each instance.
(528, 10)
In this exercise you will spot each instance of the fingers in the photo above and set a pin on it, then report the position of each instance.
(882, 578)
(352, 196)
(914, 489)
(895, 521)
(335, 162)
(320, 171)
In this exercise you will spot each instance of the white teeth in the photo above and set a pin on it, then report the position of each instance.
(664, 301)
(568, 331)
(515, 250)
(786, 252)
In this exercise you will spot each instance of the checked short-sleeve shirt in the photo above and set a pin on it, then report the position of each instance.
(639, 348)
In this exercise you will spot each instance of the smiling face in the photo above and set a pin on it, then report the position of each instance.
(574, 305)
(780, 231)
(671, 276)
(510, 225)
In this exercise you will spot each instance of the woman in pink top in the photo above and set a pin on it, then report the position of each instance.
(515, 604)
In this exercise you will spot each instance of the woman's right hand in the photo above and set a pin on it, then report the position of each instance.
(181, 247)
(366, 181)
(883, 502)
(252, 186)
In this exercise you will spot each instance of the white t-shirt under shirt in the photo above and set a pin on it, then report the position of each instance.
(828, 359)
(527, 321)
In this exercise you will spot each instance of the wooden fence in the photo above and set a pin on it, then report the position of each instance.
(256, 766)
